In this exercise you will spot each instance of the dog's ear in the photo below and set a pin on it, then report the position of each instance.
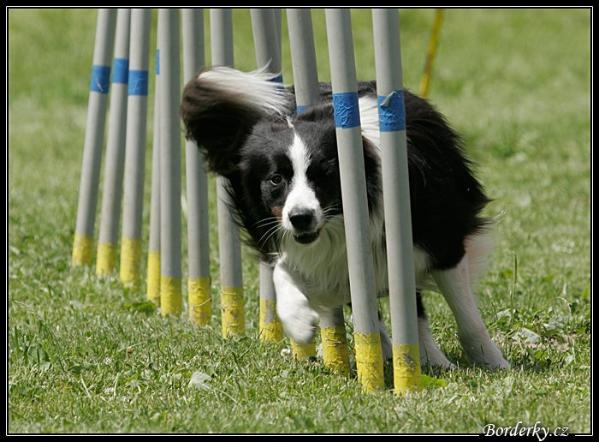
(220, 106)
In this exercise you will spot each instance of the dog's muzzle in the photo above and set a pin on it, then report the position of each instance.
(304, 225)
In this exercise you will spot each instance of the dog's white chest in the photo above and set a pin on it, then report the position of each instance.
(321, 271)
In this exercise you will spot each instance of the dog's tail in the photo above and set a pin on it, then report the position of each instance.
(259, 90)
(221, 105)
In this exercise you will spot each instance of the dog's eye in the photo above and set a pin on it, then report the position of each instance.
(276, 179)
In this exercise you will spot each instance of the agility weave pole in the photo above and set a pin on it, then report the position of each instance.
(367, 338)
(305, 75)
(153, 271)
(137, 109)
(115, 149)
(396, 200)
(231, 277)
(198, 239)
(171, 301)
(165, 248)
(270, 327)
(94, 136)
(268, 53)
(303, 58)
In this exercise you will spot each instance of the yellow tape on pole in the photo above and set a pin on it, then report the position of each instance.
(369, 361)
(232, 313)
(406, 368)
(171, 301)
(130, 257)
(334, 349)
(271, 329)
(200, 300)
(153, 281)
(82, 250)
(106, 259)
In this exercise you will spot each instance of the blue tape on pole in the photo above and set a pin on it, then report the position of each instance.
(120, 70)
(100, 81)
(157, 61)
(300, 109)
(278, 79)
(392, 114)
(347, 110)
(138, 83)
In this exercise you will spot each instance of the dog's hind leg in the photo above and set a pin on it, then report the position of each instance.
(430, 353)
(455, 285)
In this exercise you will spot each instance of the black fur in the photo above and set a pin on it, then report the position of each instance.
(248, 147)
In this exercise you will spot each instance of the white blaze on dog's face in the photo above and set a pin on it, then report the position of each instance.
(290, 169)
(302, 213)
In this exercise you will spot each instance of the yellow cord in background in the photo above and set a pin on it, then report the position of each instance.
(430, 53)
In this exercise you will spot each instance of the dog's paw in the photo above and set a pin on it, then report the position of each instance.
(440, 363)
(486, 354)
(499, 363)
(299, 321)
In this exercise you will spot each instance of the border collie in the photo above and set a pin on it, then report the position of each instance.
(283, 178)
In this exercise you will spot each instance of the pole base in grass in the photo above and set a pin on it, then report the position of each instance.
(271, 329)
(82, 250)
(200, 301)
(334, 349)
(369, 361)
(153, 282)
(130, 257)
(406, 368)
(106, 259)
(171, 301)
(232, 314)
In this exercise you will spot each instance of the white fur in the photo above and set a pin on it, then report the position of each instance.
(320, 268)
(301, 195)
(252, 88)
(369, 119)
(294, 310)
(478, 249)
(456, 288)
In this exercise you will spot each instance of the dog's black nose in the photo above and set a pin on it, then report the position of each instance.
(302, 219)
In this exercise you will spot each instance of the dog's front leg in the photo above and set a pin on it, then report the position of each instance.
(298, 318)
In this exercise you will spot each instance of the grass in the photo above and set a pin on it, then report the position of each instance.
(87, 355)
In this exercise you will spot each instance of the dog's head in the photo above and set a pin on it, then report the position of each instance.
(283, 167)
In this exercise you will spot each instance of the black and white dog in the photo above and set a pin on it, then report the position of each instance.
(284, 182)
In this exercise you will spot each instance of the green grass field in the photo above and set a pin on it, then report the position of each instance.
(87, 355)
